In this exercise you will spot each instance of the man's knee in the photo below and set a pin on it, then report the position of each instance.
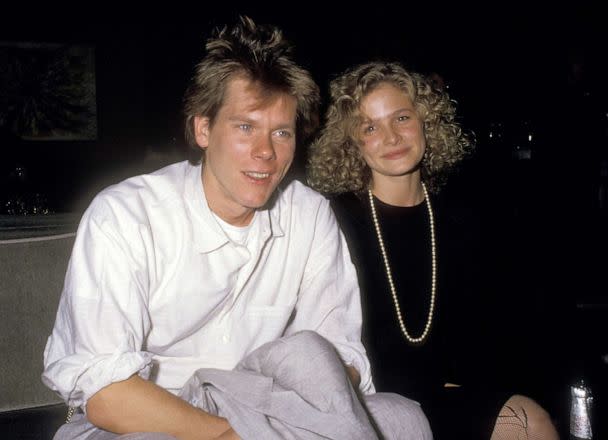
(299, 358)
(397, 417)
(309, 348)
(309, 340)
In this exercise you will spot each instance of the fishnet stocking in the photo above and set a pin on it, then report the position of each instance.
(523, 419)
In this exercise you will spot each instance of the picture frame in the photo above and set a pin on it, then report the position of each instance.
(48, 91)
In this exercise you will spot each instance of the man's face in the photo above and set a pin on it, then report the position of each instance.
(249, 148)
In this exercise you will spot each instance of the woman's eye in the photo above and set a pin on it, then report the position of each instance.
(369, 129)
(402, 118)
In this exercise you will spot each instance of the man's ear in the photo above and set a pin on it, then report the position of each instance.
(201, 131)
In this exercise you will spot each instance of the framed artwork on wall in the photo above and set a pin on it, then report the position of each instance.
(47, 91)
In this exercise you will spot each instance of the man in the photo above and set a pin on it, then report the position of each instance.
(197, 266)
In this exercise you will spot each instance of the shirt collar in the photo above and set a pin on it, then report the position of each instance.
(270, 216)
(208, 234)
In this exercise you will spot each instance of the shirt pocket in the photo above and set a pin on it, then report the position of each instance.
(265, 323)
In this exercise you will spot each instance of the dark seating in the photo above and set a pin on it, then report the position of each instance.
(34, 254)
(32, 423)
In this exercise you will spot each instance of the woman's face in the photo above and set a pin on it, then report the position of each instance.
(392, 133)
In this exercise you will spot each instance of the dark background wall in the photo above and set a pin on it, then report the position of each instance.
(503, 64)
(515, 70)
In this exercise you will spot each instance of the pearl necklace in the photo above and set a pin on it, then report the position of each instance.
(427, 327)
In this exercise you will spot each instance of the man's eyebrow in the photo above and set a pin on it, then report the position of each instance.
(239, 118)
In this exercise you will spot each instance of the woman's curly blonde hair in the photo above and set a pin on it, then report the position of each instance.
(335, 164)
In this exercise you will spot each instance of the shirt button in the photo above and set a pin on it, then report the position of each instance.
(225, 338)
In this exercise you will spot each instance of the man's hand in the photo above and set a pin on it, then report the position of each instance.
(354, 376)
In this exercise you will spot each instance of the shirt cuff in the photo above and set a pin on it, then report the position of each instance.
(79, 384)
(357, 359)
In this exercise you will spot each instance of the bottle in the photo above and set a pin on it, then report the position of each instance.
(580, 411)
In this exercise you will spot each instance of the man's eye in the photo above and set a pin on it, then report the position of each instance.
(245, 127)
(283, 133)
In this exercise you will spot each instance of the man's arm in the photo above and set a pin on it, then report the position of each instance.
(329, 301)
(138, 405)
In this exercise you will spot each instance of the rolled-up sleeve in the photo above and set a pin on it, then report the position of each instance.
(329, 301)
(102, 320)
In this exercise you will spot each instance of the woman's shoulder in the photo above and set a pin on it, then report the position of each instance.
(347, 200)
(347, 206)
(352, 215)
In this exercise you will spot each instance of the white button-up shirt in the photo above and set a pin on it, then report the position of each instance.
(155, 287)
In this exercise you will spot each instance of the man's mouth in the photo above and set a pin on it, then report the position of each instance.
(257, 176)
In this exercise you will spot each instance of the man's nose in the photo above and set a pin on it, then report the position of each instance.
(264, 148)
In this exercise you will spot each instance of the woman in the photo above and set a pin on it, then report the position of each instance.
(389, 141)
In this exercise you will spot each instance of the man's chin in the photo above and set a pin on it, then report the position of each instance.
(261, 202)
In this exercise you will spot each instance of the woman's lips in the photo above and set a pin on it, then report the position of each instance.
(395, 154)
